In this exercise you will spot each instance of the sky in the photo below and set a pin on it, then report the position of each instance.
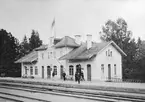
(72, 17)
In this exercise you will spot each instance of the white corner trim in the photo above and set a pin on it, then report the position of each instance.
(119, 48)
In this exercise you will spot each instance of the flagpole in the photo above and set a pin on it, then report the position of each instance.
(53, 28)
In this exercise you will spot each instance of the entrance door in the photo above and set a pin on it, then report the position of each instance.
(89, 72)
(42, 71)
(61, 71)
(48, 72)
(109, 72)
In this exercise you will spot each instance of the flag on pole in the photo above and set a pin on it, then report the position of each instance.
(53, 23)
(53, 28)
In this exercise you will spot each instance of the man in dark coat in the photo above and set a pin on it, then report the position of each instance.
(64, 76)
(53, 74)
(76, 78)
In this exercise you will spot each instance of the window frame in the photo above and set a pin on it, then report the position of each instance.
(71, 70)
(55, 70)
(31, 70)
(25, 70)
(102, 68)
(36, 70)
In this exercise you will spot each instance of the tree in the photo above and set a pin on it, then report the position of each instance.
(34, 40)
(119, 33)
(8, 52)
(140, 59)
(24, 47)
(140, 49)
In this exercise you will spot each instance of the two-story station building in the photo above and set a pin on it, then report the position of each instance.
(99, 61)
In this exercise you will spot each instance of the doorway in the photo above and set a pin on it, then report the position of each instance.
(48, 72)
(109, 71)
(89, 72)
(42, 71)
(61, 72)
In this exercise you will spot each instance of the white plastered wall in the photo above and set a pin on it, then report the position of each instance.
(101, 58)
(115, 59)
(52, 61)
(83, 65)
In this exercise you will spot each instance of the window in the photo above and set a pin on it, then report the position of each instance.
(106, 53)
(55, 70)
(114, 69)
(25, 70)
(42, 55)
(102, 68)
(71, 70)
(36, 70)
(31, 70)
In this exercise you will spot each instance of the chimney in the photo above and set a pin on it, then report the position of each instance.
(51, 41)
(89, 41)
(78, 39)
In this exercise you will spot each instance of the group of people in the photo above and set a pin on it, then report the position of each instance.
(79, 75)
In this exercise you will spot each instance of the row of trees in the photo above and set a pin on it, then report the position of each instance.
(133, 63)
(28, 44)
(11, 50)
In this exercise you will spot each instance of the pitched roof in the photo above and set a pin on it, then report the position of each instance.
(83, 53)
(89, 53)
(32, 56)
(42, 47)
(66, 41)
(72, 54)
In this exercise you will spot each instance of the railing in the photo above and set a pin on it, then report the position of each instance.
(124, 80)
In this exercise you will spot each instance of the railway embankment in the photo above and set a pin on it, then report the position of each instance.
(109, 89)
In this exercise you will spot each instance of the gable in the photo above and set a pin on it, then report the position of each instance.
(109, 52)
(115, 46)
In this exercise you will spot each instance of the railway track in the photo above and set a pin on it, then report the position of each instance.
(5, 99)
(18, 98)
(71, 92)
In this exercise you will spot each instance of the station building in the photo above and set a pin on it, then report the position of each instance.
(99, 61)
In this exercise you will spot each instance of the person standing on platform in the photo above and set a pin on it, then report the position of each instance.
(64, 76)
